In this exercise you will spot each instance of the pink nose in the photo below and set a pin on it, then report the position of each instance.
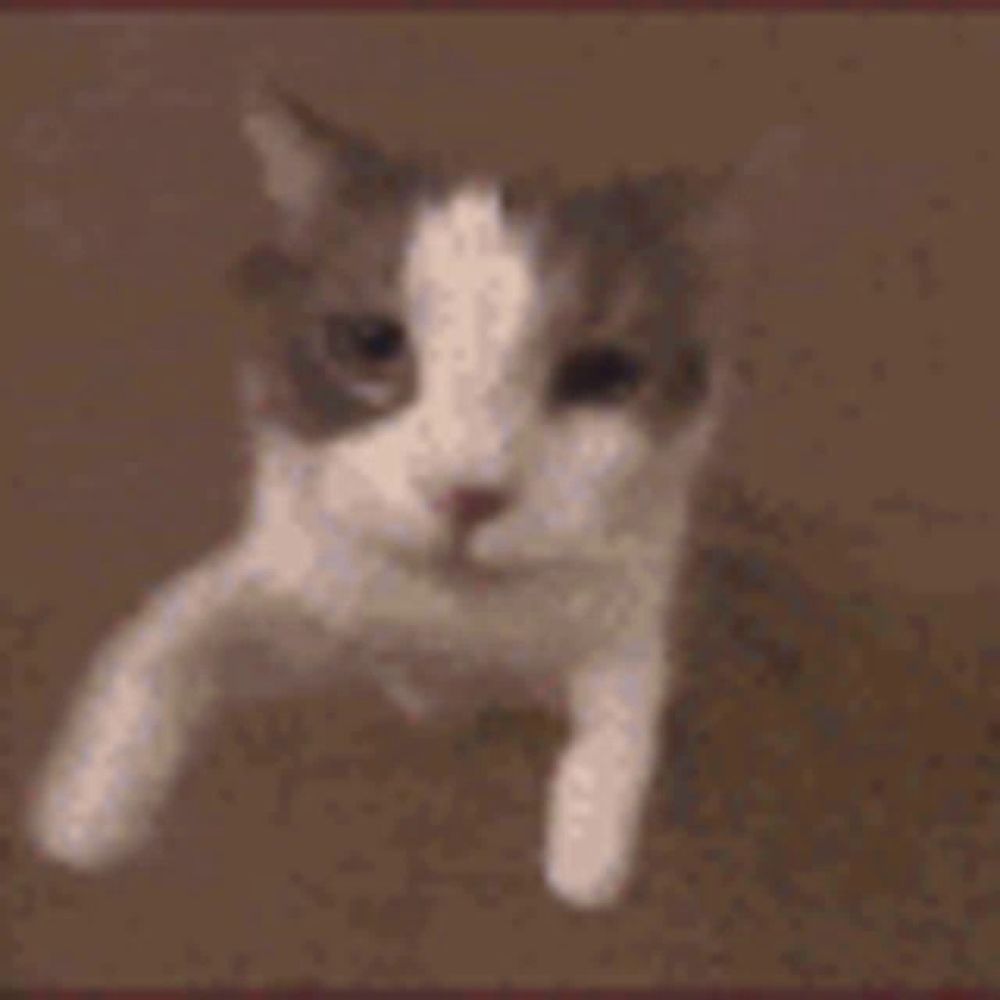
(469, 506)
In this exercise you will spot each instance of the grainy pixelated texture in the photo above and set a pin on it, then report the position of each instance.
(831, 816)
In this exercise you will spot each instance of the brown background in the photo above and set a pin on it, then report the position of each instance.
(832, 816)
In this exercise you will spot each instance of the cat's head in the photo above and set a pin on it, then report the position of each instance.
(510, 369)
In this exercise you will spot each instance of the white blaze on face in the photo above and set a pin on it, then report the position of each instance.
(473, 298)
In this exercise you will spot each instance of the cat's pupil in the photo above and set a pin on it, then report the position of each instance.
(372, 339)
(597, 375)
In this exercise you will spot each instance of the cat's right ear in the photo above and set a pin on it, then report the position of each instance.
(288, 139)
(305, 160)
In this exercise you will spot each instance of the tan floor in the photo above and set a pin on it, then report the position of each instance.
(833, 816)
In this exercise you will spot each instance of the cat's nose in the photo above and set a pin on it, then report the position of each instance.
(469, 505)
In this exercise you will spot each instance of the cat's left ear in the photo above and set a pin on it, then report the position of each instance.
(745, 193)
(729, 228)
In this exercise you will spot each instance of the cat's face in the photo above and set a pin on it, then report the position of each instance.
(474, 368)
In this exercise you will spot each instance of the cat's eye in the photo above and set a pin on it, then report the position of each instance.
(370, 340)
(598, 375)
(356, 355)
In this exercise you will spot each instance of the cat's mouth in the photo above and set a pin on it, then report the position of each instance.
(459, 560)
(455, 562)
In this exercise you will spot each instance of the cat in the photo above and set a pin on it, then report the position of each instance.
(478, 409)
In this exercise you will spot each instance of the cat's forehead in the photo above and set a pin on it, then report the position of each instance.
(471, 279)
(476, 254)
(468, 240)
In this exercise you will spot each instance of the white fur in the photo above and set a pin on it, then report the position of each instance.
(347, 531)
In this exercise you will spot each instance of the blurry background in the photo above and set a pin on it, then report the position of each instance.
(830, 816)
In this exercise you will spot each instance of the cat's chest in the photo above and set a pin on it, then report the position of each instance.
(463, 646)
(525, 624)
(474, 637)
(467, 625)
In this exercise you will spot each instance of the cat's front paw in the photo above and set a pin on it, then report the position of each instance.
(83, 833)
(587, 854)
(586, 873)
(75, 847)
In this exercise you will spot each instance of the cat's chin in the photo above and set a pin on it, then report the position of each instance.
(464, 567)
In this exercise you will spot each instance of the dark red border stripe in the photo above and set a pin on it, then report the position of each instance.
(360, 993)
(569, 6)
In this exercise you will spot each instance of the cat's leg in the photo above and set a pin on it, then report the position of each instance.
(603, 775)
(149, 690)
